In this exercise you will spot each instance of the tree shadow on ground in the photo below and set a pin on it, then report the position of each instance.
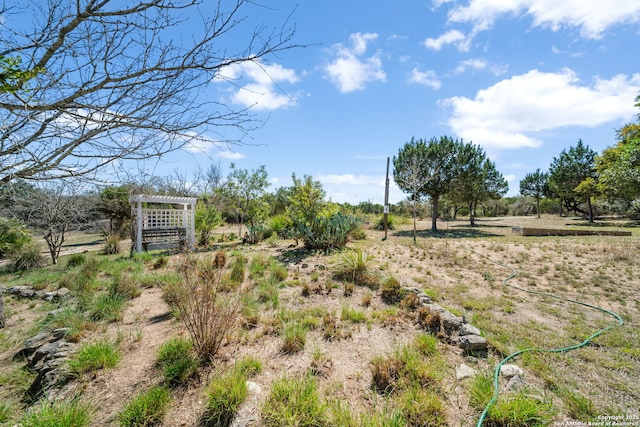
(603, 223)
(294, 255)
(453, 232)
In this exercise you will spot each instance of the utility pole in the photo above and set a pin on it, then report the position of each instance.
(386, 202)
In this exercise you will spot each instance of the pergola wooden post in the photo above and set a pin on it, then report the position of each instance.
(158, 225)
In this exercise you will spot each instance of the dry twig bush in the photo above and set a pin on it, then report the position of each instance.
(207, 307)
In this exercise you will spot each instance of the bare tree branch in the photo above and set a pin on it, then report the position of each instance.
(126, 80)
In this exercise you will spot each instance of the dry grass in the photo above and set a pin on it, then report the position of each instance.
(461, 267)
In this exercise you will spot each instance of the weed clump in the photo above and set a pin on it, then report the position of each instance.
(392, 292)
(354, 267)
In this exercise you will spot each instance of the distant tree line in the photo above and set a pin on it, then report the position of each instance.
(586, 183)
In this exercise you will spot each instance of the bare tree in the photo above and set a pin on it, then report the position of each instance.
(53, 211)
(121, 80)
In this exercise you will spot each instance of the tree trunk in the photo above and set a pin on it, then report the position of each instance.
(414, 222)
(538, 206)
(471, 216)
(2, 317)
(590, 210)
(434, 214)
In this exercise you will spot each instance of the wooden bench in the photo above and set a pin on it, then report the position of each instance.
(164, 237)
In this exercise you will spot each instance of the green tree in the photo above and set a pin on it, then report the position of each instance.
(244, 192)
(427, 169)
(207, 219)
(618, 167)
(535, 185)
(119, 84)
(12, 76)
(114, 203)
(409, 174)
(476, 179)
(306, 200)
(567, 171)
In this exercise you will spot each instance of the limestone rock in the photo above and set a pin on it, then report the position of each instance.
(509, 371)
(473, 343)
(467, 329)
(464, 371)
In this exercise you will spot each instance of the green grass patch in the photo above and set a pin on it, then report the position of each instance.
(177, 361)
(57, 414)
(146, 409)
(95, 356)
(294, 402)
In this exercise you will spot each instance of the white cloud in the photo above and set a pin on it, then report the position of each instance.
(592, 17)
(351, 72)
(349, 179)
(510, 113)
(348, 188)
(229, 155)
(474, 63)
(426, 78)
(263, 92)
(451, 37)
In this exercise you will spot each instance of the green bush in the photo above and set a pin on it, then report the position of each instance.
(391, 223)
(28, 258)
(75, 260)
(353, 266)
(279, 225)
(146, 409)
(13, 237)
(326, 232)
(112, 244)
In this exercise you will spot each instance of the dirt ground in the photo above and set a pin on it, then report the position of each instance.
(462, 267)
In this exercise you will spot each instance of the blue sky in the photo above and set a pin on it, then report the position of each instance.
(524, 79)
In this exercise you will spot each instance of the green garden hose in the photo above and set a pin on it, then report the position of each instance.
(496, 374)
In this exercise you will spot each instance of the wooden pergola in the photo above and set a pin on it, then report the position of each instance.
(162, 222)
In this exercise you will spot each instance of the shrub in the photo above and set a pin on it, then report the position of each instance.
(146, 409)
(28, 258)
(353, 266)
(279, 225)
(13, 237)
(57, 414)
(112, 244)
(392, 292)
(208, 312)
(125, 286)
(326, 232)
(177, 363)
(391, 223)
(295, 338)
(75, 260)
